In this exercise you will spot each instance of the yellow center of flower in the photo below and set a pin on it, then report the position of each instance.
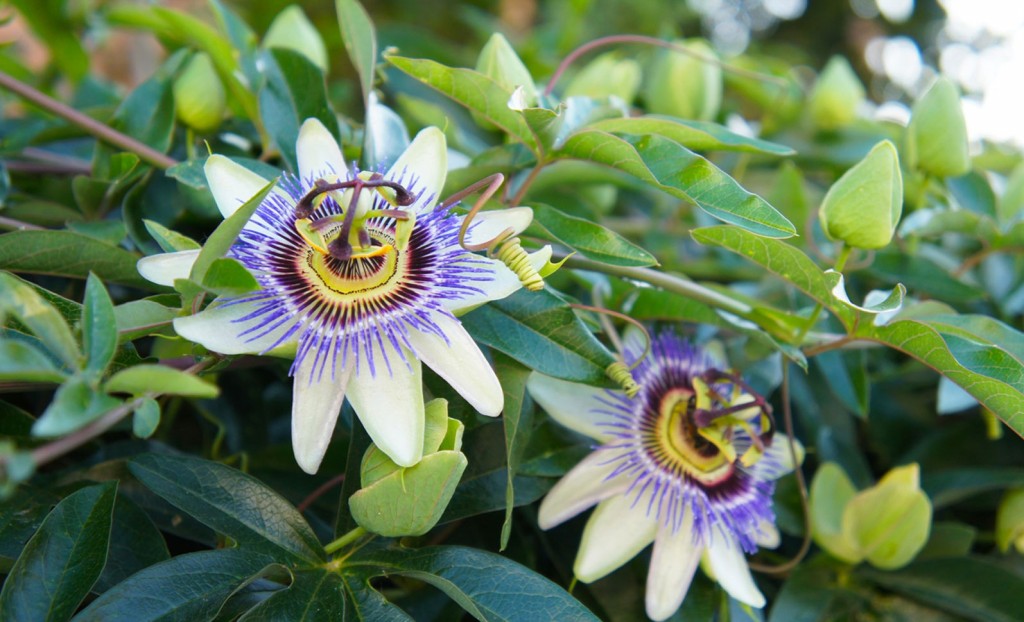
(679, 444)
(373, 272)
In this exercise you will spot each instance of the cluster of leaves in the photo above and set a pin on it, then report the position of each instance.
(144, 478)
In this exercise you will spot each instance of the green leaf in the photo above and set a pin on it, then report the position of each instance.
(232, 503)
(890, 521)
(313, 595)
(136, 544)
(55, 29)
(489, 587)
(922, 275)
(694, 135)
(185, 588)
(670, 167)
(473, 90)
(21, 361)
(518, 423)
(224, 235)
(99, 328)
(360, 39)
(139, 318)
(170, 241)
(228, 277)
(75, 404)
(974, 588)
(65, 253)
(146, 418)
(542, 332)
(813, 593)
(20, 299)
(21, 514)
(590, 239)
(62, 561)
(147, 114)
(876, 303)
(294, 91)
(831, 492)
(951, 486)
(368, 604)
(142, 379)
(106, 231)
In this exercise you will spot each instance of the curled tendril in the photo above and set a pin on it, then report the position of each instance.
(619, 373)
(517, 259)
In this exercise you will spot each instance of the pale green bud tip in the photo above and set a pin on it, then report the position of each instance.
(292, 30)
(836, 95)
(1010, 521)
(199, 97)
(606, 76)
(937, 135)
(499, 62)
(863, 207)
(685, 85)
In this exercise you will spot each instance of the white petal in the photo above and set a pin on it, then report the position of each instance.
(729, 565)
(572, 404)
(767, 535)
(777, 460)
(615, 533)
(634, 341)
(460, 362)
(315, 407)
(675, 558)
(390, 405)
(424, 164)
(318, 152)
(587, 483)
(219, 328)
(162, 269)
(504, 283)
(487, 225)
(231, 184)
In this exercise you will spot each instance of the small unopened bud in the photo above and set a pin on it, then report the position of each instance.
(606, 76)
(937, 134)
(292, 30)
(199, 97)
(685, 85)
(864, 206)
(499, 62)
(836, 95)
(1010, 521)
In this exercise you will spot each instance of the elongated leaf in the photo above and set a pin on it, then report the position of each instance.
(591, 239)
(489, 587)
(63, 559)
(313, 595)
(186, 588)
(695, 135)
(138, 318)
(971, 587)
(170, 241)
(953, 485)
(136, 544)
(232, 503)
(518, 423)
(224, 235)
(542, 332)
(22, 300)
(473, 90)
(99, 329)
(294, 91)
(366, 603)
(142, 379)
(669, 166)
(64, 253)
(360, 39)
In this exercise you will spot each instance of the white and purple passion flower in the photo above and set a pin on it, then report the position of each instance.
(688, 464)
(360, 276)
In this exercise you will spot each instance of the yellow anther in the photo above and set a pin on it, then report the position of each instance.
(376, 251)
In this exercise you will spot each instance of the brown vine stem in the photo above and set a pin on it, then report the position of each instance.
(525, 186)
(101, 131)
(319, 492)
(10, 223)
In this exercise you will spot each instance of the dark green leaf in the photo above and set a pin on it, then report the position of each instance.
(136, 544)
(141, 379)
(922, 275)
(542, 332)
(971, 587)
(99, 328)
(186, 588)
(951, 486)
(590, 239)
(65, 253)
(106, 231)
(360, 39)
(21, 515)
(517, 422)
(670, 167)
(294, 92)
(313, 595)
(63, 559)
(695, 135)
(366, 603)
(232, 503)
(811, 594)
(489, 587)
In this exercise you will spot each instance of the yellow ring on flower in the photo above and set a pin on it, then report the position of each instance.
(679, 444)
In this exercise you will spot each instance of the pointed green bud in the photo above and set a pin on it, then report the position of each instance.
(292, 30)
(937, 134)
(1010, 521)
(499, 62)
(863, 207)
(684, 85)
(836, 95)
(199, 97)
(605, 76)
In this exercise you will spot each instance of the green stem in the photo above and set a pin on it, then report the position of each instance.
(345, 540)
(844, 254)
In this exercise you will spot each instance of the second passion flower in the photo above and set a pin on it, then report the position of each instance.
(360, 276)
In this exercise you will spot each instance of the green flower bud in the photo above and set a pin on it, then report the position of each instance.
(831, 491)
(396, 501)
(684, 85)
(199, 96)
(1010, 521)
(836, 95)
(863, 207)
(937, 134)
(499, 62)
(292, 30)
(605, 76)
